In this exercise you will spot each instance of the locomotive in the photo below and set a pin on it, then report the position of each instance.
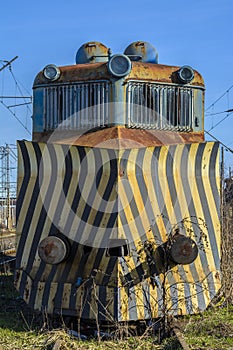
(118, 192)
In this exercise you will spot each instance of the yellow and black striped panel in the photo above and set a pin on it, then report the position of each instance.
(95, 195)
(70, 191)
(170, 187)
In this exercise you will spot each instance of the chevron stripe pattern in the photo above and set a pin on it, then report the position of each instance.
(96, 197)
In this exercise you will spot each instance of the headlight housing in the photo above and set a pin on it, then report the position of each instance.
(51, 72)
(183, 250)
(53, 250)
(119, 65)
(185, 74)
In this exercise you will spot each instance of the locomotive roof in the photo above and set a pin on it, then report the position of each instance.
(98, 71)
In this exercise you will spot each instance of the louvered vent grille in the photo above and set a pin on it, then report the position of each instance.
(157, 106)
(77, 106)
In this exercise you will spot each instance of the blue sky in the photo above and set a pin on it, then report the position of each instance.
(198, 33)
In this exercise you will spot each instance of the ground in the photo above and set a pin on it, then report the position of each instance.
(22, 329)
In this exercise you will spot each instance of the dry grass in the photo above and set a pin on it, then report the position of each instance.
(20, 329)
(60, 340)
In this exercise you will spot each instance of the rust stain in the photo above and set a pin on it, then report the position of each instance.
(185, 250)
(217, 276)
(119, 137)
(26, 293)
(99, 71)
(121, 172)
(17, 276)
(49, 248)
(142, 46)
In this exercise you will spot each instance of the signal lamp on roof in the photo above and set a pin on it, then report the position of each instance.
(142, 51)
(185, 74)
(51, 72)
(119, 65)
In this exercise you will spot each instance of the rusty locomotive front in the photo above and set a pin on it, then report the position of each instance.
(118, 192)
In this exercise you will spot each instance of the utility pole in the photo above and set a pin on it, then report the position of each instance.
(8, 209)
(8, 63)
(222, 185)
(7, 187)
(7, 155)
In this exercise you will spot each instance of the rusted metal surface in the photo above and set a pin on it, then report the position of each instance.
(142, 51)
(160, 73)
(145, 98)
(79, 72)
(92, 52)
(183, 250)
(120, 137)
(140, 71)
(52, 250)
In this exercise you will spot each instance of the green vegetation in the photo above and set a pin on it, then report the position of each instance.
(212, 329)
(59, 339)
(20, 329)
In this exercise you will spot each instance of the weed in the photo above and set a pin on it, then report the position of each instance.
(20, 329)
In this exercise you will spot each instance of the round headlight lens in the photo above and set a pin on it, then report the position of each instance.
(51, 72)
(183, 249)
(53, 250)
(119, 65)
(186, 74)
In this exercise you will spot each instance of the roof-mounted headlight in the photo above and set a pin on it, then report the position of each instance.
(51, 72)
(185, 74)
(119, 65)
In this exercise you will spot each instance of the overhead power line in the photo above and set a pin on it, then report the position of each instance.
(210, 114)
(8, 63)
(228, 148)
(25, 98)
(19, 104)
(219, 98)
(214, 126)
(15, 116)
